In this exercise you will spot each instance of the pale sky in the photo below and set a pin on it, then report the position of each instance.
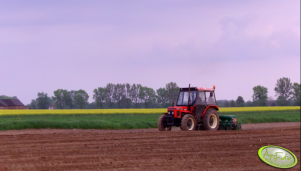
(84, 44)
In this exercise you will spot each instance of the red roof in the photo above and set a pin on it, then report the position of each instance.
(11, 102)
(205, 89)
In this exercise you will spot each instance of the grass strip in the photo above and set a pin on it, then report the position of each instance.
(126, 121)
(116, 121)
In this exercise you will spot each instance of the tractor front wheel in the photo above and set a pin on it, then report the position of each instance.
(188, 123)
(161, 124)
(211, 120)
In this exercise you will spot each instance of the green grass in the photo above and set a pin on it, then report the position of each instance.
(266, 116)
(85, 121)
(125, 121)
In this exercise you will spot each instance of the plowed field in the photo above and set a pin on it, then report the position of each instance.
(145, 149)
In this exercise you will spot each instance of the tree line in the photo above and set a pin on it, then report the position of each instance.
(109, 97)
(287, 93)
(137, 96)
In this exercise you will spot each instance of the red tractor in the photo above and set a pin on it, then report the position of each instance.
(195, 109)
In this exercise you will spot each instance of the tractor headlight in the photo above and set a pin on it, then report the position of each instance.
(170, 112)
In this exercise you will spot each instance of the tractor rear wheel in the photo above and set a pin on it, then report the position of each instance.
(211, 120)
(188, 123)
(161, 124)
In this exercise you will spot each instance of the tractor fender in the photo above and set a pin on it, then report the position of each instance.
(208, 107)
(183, 114)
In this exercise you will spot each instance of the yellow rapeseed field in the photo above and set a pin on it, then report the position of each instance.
(264, 108)
(134, 111)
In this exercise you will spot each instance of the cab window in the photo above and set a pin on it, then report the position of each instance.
(210, 100)
(183, 98)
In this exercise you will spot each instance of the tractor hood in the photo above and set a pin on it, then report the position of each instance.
(177, 108)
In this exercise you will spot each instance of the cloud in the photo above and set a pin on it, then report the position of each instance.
(237, 43)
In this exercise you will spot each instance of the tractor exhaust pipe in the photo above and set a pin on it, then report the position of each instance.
(189, 97)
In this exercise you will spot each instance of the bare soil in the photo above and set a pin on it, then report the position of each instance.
(145, 149)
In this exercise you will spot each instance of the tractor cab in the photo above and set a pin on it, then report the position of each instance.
(198, 96)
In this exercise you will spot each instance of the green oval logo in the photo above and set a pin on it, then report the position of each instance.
(277, 156)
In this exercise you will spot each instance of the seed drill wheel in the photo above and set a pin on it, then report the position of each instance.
(211, 120)
(162, 124)
(234, 127)
(188, 123)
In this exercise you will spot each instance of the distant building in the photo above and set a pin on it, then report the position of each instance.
(11, 104)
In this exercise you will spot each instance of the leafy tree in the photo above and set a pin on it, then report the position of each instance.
(162, 97)
(271, 101)
(81, 99)
(142, 94)
(221, 103)
(296, 93)
(119, 93)
(249, 103)
(147, 96)
(100, 97)
(61, 98)
(28, 106)
(127, 99)
(283, 88)
(7, 97)
(134, 94)
(70, 102)
(150, 97)
(91, 105)
(240, 101)
(260, 95)
(109, 95)
(232, 103)
(281, 101)
(226, 103)
(172, 91)
(32, 105)
(43, 101)
(125, 102)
